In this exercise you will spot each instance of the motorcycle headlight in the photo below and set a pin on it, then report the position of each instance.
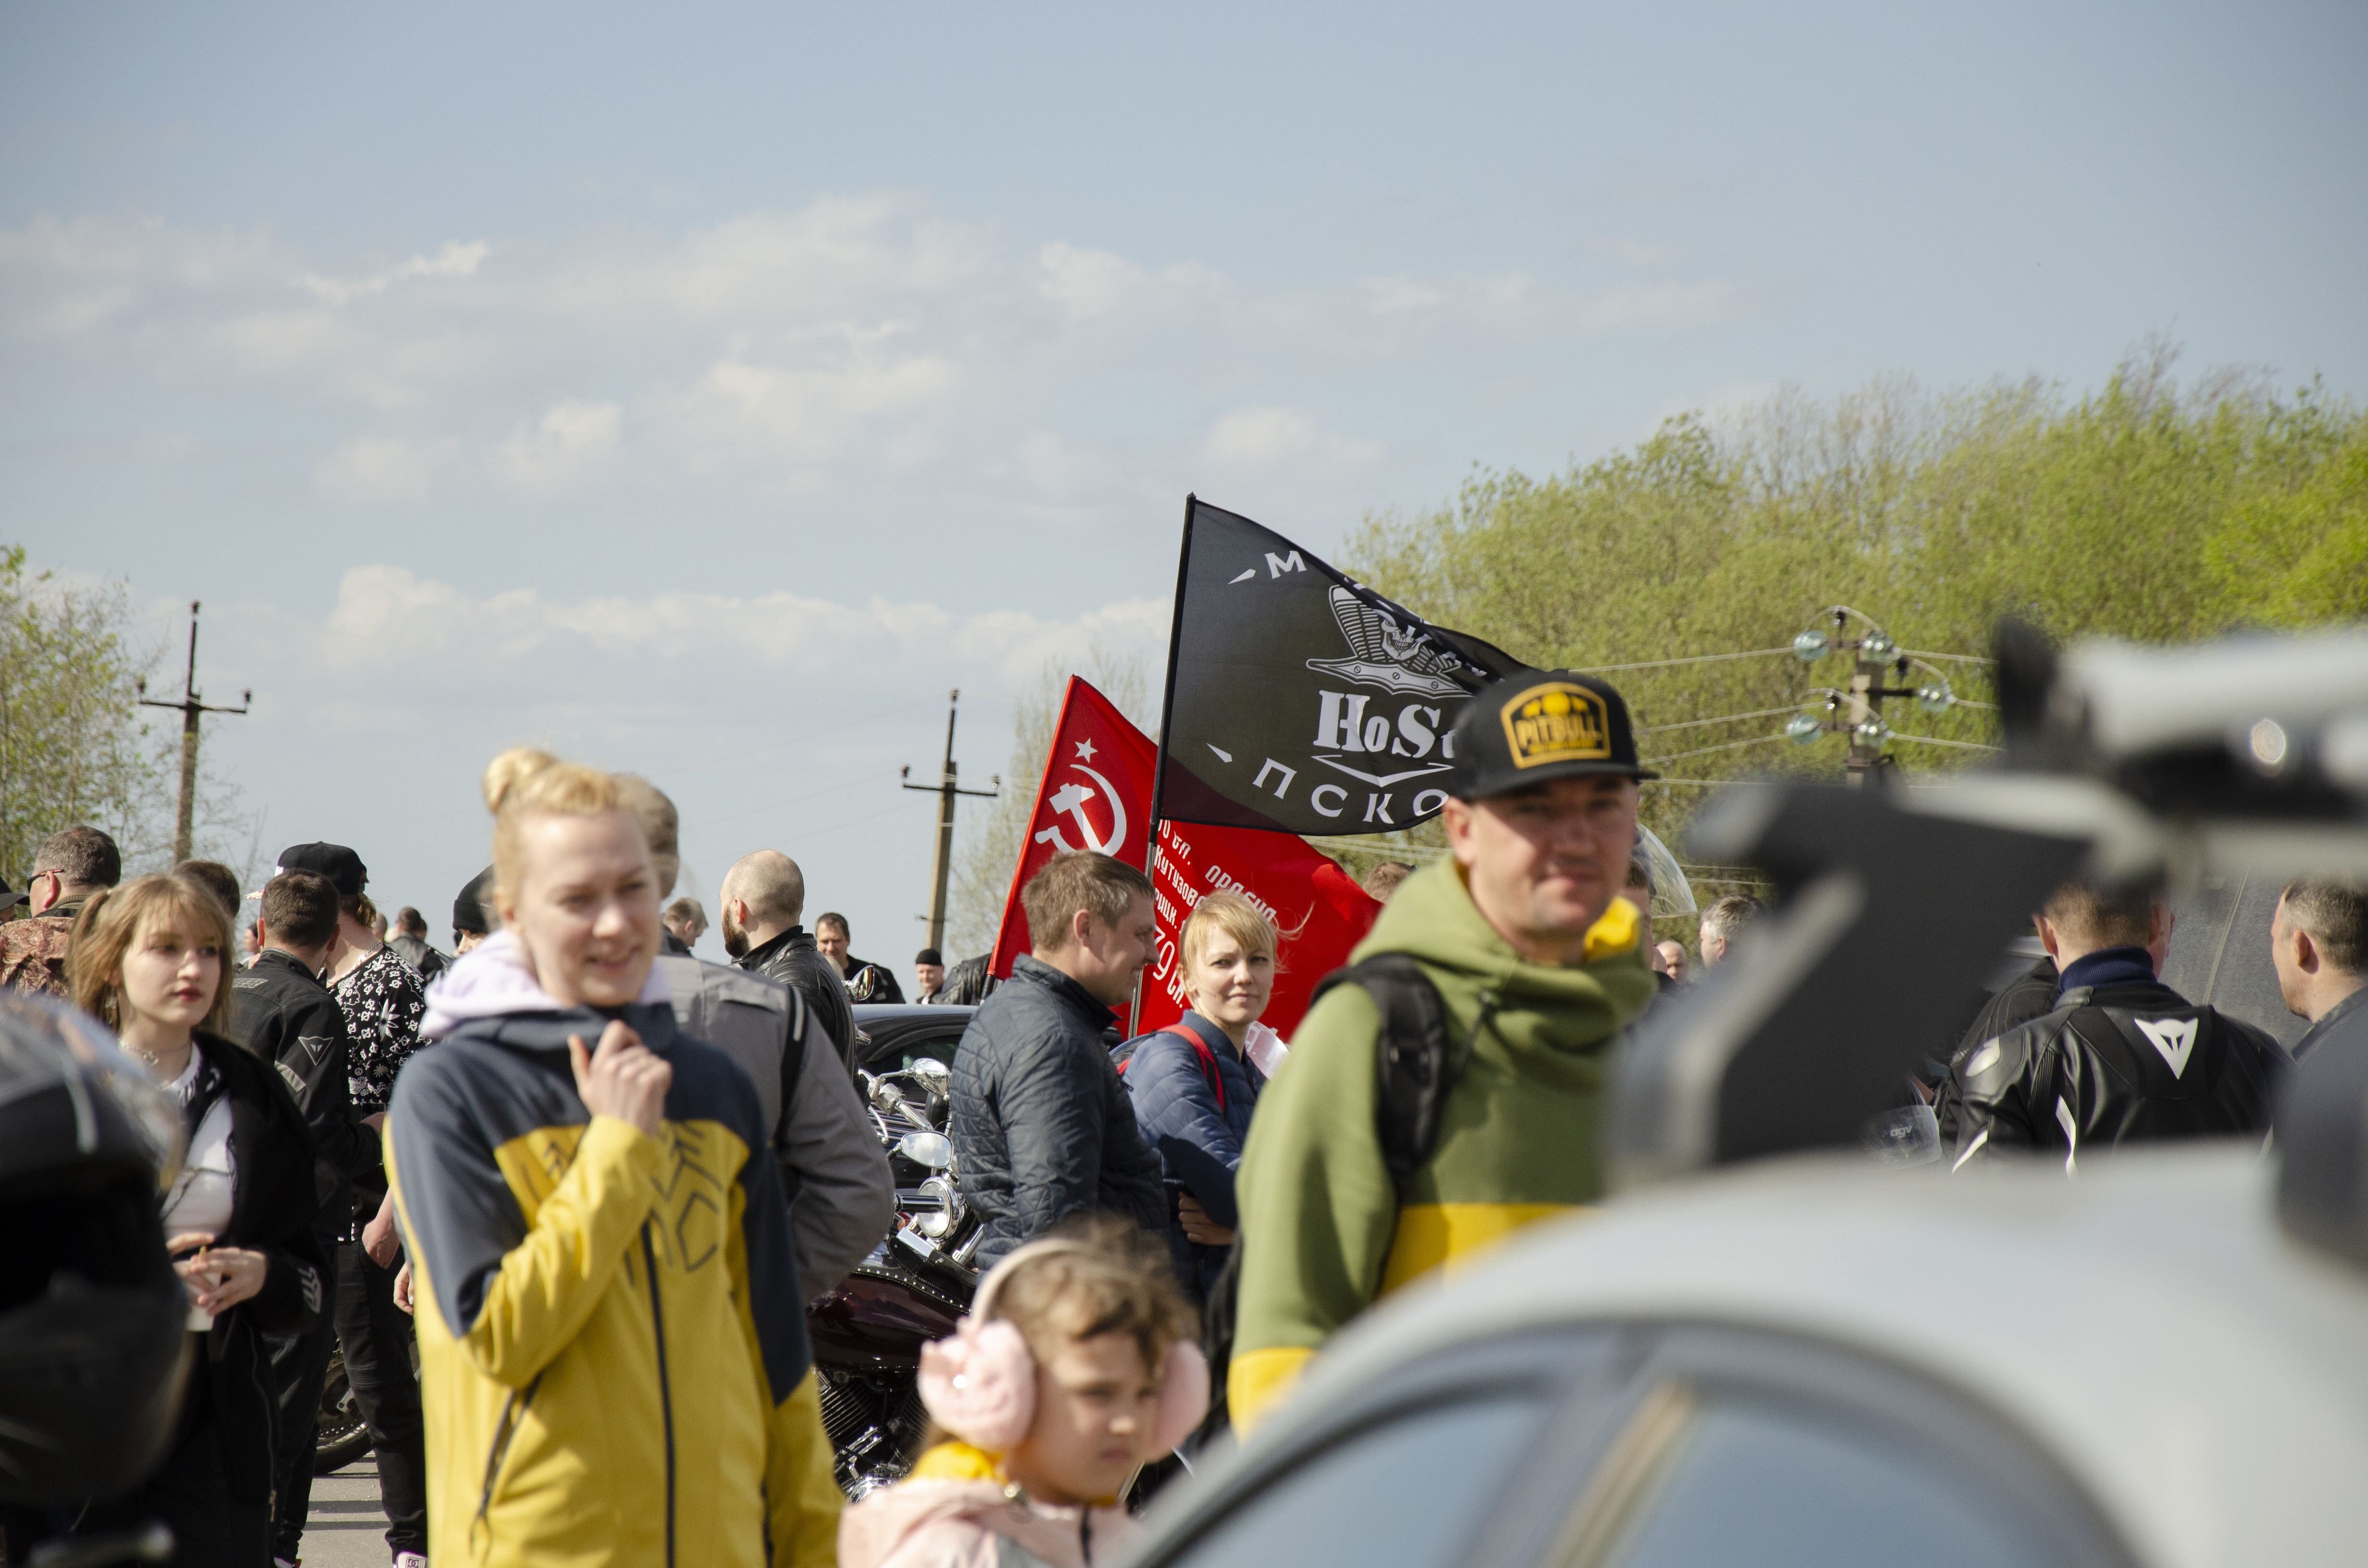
(936, 1223)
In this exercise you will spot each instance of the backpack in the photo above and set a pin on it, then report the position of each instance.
(1417, 1068)
(1209, 1072)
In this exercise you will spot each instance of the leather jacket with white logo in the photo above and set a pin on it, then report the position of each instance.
(2111, 1065)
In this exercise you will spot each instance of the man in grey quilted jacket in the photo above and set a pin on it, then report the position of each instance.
(1043, 1128)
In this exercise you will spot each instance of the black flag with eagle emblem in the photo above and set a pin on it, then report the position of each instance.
(1298, 699)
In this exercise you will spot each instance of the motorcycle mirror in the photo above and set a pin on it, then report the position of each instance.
(934, 1150)
(931, 1071)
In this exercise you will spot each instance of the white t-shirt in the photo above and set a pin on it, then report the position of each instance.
(203, 1193)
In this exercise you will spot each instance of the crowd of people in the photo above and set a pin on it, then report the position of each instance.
(595, 1181)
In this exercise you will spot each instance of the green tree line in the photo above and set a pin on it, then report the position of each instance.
(2145, 510)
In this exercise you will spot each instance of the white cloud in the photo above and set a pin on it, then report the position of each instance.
(67, 280)
(1095, 285)
(455, 260)
(861, 346)
(568, 445)
(1253, 440)
(372, 470)
(1656, 305)
(531, 648)
(1058, 469)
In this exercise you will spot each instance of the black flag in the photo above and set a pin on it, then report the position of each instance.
(1299, 700)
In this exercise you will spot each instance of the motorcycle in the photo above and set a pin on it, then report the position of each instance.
(868, 1332)
(340, 1435)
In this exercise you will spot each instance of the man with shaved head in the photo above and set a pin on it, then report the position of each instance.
(762, 900)
(842, 1194)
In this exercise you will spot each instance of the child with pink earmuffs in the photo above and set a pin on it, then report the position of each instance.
(1075, 1366)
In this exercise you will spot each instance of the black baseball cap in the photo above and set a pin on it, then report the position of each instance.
(473, 912)
(1537, 725)
(341, 865)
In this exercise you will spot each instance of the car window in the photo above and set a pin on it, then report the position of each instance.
(897, 1053)
(1781, 1487)
(1408, 1492)
(940, 1047)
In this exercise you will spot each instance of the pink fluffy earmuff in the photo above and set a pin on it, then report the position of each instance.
(980, 1383)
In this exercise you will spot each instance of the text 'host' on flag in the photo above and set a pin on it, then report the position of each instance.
(1299, 700)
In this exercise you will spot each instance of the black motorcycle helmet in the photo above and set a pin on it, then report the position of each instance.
(93, 1336)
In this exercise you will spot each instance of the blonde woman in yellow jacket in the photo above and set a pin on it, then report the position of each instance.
(612, 1344)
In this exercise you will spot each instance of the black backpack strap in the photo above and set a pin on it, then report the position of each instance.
(1219, 1316)
(1416, 1064)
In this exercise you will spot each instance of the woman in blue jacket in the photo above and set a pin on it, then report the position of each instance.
(1195, 1082)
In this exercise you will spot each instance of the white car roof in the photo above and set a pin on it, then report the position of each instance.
(2202, 1376)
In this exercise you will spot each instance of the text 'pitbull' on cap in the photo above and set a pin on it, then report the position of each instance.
(1539, 725)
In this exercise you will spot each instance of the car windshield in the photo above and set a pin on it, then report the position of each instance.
(1408, 1492)
(1782, 1486)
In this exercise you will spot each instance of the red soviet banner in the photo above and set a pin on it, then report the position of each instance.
(1096, 795)
(1320, 910)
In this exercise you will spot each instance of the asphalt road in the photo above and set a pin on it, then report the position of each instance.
(347, 1527)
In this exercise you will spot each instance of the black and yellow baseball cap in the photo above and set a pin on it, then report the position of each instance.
(1538, 726)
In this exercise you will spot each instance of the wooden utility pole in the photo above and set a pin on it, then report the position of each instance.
(190, 708)
(1857, 713)
(945, 790)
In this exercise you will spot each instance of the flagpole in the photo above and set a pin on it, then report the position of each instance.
(1168, 696)
(1166, 714)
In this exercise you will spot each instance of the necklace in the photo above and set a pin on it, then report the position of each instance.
(156, 1060)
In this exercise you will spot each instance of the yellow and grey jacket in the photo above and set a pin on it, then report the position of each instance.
(1324, 1231)
(613, 1359)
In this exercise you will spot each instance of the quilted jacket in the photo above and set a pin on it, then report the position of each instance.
(1178, 1110)
(1041, 1128)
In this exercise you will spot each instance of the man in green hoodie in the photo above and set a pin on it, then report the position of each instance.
(1537, 963)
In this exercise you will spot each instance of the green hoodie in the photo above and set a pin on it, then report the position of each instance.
(1518, 1138)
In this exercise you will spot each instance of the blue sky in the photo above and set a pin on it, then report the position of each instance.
(670, 383)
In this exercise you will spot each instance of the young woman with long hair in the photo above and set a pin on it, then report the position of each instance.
(153, 960)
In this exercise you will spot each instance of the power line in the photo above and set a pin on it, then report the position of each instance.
(1961, 658)
(1665, 663)
(1420, 854)
(1730, 719)
(1936, 741)
(1704, 751)
(1762, 783)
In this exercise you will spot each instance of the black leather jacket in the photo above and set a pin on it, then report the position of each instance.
(966, 984)
(282, 1013)
(793, 958)
(273, 1208)
(2111, 1065)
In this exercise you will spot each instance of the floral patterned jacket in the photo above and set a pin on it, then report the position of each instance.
(383, 1000)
